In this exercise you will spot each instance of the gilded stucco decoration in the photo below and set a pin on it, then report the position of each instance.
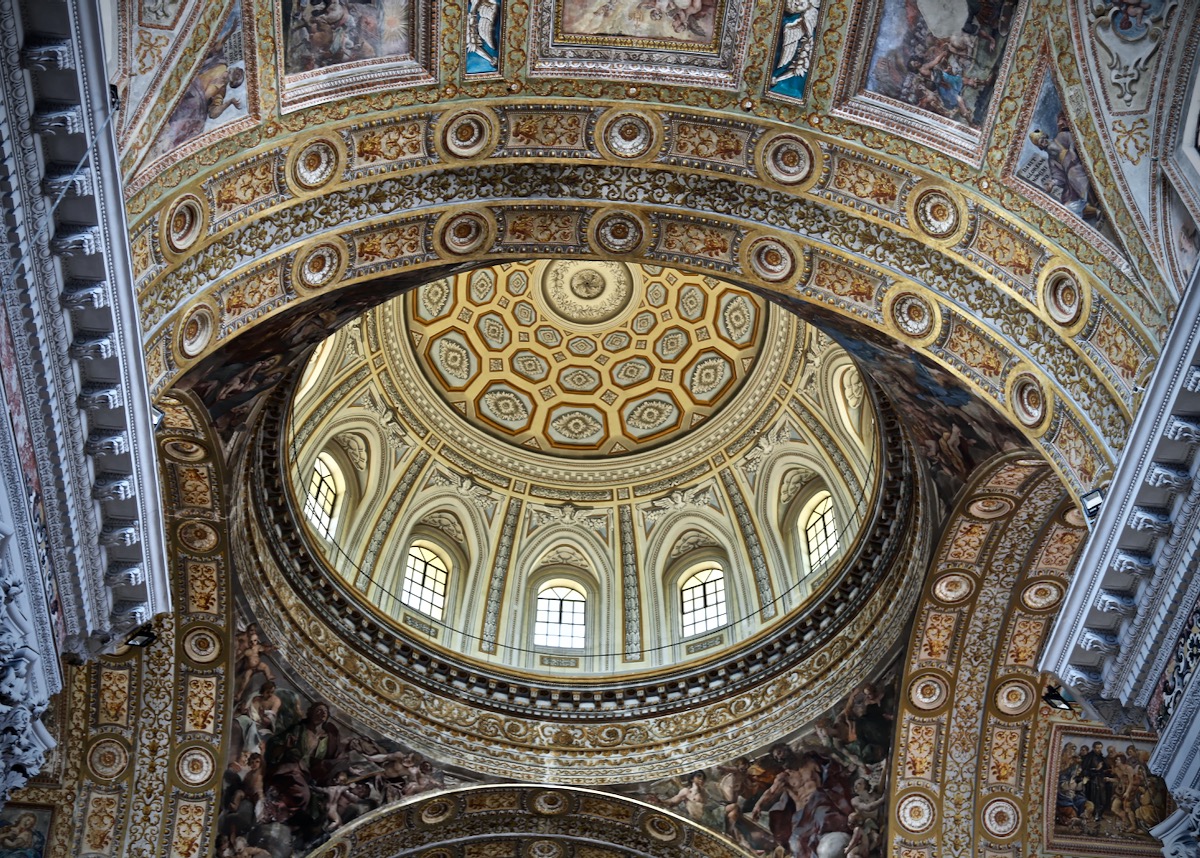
(972, 662)
(1001, 251)
(739, 139)
(660, 350)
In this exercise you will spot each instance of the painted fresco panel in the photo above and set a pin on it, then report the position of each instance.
(1051, 165)
(793, 51)
(688, 21)
(1101, 798)
(321, 34)
(216, 96)
(1184, 237)
(941, 56)
(484, 18)
(24, 830)
(818, 791)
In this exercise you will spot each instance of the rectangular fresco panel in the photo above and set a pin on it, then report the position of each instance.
(941, 56)
(215, 96)
(793, 51)
(689, 21)
(483, 36)
(1101, 798)
(320, 34)
(24, 830)
(1050, 163)
(1185, 239)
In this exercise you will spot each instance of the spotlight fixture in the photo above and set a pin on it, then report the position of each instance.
(1055, 700)
(1091, 503)
(142, 636)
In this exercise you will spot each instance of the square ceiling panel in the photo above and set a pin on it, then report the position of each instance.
(640, 40)
(328, 49)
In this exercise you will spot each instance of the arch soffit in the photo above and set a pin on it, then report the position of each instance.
(1015, 335)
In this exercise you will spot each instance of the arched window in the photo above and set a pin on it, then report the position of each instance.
(702, 596)
(820, 533)
(321, 503)
(425, 576)
(560, 620)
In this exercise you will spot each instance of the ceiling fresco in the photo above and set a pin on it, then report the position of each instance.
(871, 166)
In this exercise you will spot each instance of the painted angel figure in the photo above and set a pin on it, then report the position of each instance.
(795, 49)
(481, 35)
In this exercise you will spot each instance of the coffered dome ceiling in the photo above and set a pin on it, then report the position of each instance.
(585, 358)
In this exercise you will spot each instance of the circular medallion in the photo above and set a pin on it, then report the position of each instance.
(619, 233)
(320, 266)
(467, 134)
(1042, 595)
(989, 508)
(108, 759)
(184, 223)
(197, 536)
(913, 315)
(928, 692)
(772, 260)
(202, 646)
(1028, 401)
(185, 451)
(543, 849)
(937, 213)
(587, 293)
(438, 810)
(315, 164)
(439, 852)
(549, 803)
(1074, 517)
(629, 135)
(1014, 697)
(195, 766)
(915, 813)
(953, 588)
(788, 159)
(1001, 817)
(1063, 297)
(465, 233)
(661, 828)
(196, 331)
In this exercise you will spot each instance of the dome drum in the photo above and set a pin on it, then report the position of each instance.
(881, 548)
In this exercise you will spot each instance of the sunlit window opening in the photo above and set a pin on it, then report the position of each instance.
(560, 618)
(703, 598)
(425, 579)
(820, 534)
(322, 497)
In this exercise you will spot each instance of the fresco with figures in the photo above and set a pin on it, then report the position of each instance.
(1185, 238)
(941, 56)
(320, 34)
(24, 830)
(484, 19)
(821, 790)
(690, 21)
(793, 52)
(1101, 797)
(299, 768)
(217, 94)
(1051, 164)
